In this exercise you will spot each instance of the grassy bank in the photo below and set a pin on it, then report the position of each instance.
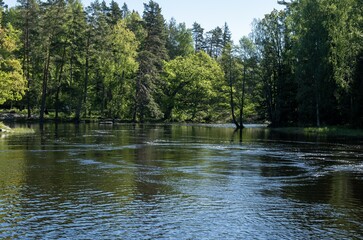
(330, 131)
(5, 130)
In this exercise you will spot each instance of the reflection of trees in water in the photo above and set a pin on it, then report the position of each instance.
(127, 165)
(325, 194)
(339, 191)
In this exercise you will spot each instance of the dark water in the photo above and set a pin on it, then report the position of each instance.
(179, 182)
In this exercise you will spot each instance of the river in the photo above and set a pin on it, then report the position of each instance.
(179, 182)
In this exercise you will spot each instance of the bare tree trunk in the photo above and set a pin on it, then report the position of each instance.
(233, 106)
(44, 85)
(26, 62)
(59, 84)
(317, 107)
(78, 110)
(243, 100)
(86, 77)
(136, 100)
(231, 96)
(317, 114)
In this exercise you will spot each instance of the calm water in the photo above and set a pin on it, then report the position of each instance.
(179, 182)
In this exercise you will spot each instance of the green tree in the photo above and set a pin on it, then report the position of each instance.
(52, 29)
(232, 68)
(115, 13)
(272, 38)
(119, 67)
(356, 97)
(198, 36)
(345, 36)
(214, 42)
(125, 11)
(227, 35)
(192, 84)
(180, 41)
(153, 53)
(241, 70)
(96, 50)
(135, 23)
(26, 14)
(12, 81)
(78, 38)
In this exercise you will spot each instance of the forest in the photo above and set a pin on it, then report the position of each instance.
(301, 66)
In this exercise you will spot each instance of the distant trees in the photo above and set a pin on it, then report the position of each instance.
(299, 66)
(272, 39)
(198, 37)
(179, 41)
(308, 56)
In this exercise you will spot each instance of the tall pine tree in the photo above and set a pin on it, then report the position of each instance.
(153, 53)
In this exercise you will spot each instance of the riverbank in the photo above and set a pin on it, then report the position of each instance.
(19, 117)
(4, 129)
(16, 117)
(329, 131)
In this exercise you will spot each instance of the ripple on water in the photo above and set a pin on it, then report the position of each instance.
(196, 186)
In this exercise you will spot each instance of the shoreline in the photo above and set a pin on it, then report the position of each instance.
(9, 118)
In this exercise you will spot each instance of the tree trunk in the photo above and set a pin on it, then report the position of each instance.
(78, 110)
(243, 100)
(317, 114)
(136, 99)
(232, 107)
(26, 62)
(269, 101)
(57, 102)
(171, 105)
(231, 96)
(59, 84)
(44, 85)
(168, 111)
(86, 77)
(317, 107)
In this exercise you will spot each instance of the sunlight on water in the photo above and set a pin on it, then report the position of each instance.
(178, 182)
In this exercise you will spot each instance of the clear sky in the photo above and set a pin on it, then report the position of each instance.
(238, 14)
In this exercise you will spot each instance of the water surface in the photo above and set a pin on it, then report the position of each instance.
(179, 182)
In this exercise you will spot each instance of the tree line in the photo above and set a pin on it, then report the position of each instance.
(301, 65)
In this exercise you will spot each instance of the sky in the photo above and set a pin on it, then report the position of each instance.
(238, 14)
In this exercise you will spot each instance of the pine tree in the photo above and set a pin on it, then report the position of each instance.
(227, 36)
(28, 12)
(153, 53)
(198, 37)
(180, 41)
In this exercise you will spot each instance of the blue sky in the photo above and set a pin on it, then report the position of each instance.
(238, 14)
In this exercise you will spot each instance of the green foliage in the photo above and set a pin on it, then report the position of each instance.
(153, 53)
(192, 84)
(322, 131)
(272, 39)
(180, 41)
(119, 66)
(135, 23)
(2, 125)
(12, 82)
(198, 36)
(5, 129)
(302, 65)
(326, 47)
